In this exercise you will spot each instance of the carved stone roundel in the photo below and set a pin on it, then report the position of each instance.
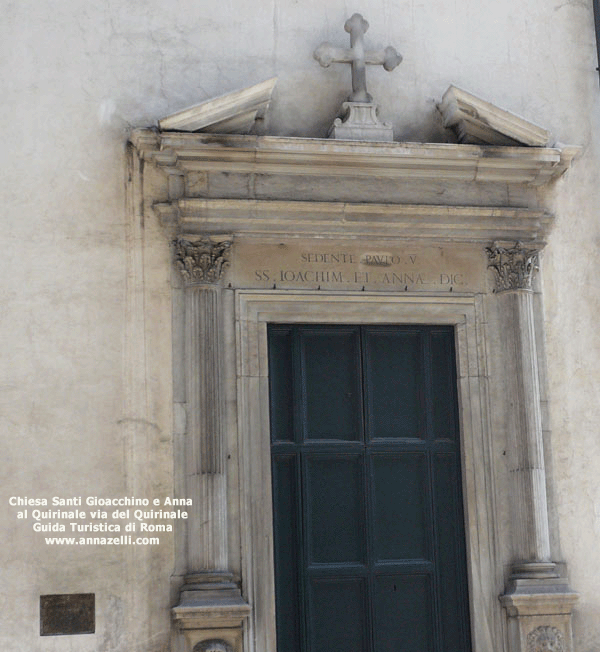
(214, 645)
(545, 639)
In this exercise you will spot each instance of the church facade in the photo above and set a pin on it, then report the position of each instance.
(308, 350)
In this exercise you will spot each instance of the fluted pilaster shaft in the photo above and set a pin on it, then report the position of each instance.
(526, 451)
(514, 268)
(205, 464)
(201, 263)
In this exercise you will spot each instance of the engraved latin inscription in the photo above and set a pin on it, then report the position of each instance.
(346, 265)
(387, 260)
(346, 268)
(335, 257)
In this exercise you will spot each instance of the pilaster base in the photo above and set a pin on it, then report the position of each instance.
(210, 614)
(360, 122)
(539, 605)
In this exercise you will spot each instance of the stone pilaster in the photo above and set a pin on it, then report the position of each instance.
(211, 608)
(538, 602)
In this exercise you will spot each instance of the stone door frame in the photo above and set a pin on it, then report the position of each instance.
(254, 310)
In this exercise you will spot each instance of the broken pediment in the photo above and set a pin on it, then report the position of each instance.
(228, 165)
(232, 113)
(478, 122)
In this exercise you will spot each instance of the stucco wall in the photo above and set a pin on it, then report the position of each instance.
(86, 389)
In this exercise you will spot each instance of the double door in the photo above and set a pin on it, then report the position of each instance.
(368, 523)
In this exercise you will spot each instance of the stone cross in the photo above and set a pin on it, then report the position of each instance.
(356, 26)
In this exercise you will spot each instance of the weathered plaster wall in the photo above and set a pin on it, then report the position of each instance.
(76, 77)
(573, 348)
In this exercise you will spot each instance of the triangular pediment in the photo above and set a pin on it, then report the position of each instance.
(263, 184)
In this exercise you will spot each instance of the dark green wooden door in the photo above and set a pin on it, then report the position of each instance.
(368, 524)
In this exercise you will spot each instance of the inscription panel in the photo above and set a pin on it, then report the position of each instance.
(339, 265)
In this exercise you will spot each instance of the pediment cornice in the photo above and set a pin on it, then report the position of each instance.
(334, 158)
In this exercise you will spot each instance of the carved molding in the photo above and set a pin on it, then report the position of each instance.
(201, 261)
(273, 156)
(545, 639)
(514, 267)
(214, 645)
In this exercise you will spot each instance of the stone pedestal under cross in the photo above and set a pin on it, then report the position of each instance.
(360, 121)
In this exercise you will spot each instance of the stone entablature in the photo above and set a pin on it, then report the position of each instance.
(245, 185)
(182, 153)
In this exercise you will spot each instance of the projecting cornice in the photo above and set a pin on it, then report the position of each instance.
(272, 218)
(178, 152)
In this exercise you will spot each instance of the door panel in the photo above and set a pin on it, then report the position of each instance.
(281, 381)
(287, 551)
(393, 374)
(443, 384)
(403, 613)
(347, 598)
(400, 512)
(368, 524)
(334, 527)
(331, 387)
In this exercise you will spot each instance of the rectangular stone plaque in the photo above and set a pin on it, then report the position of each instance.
(72, 613)
(352, 265)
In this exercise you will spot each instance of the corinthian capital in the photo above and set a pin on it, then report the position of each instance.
(514, 267)
(201, 261)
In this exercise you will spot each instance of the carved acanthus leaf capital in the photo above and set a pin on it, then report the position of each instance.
(513, 267)
(201, 261)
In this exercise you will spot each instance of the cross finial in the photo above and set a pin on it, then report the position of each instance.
(356, 26)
